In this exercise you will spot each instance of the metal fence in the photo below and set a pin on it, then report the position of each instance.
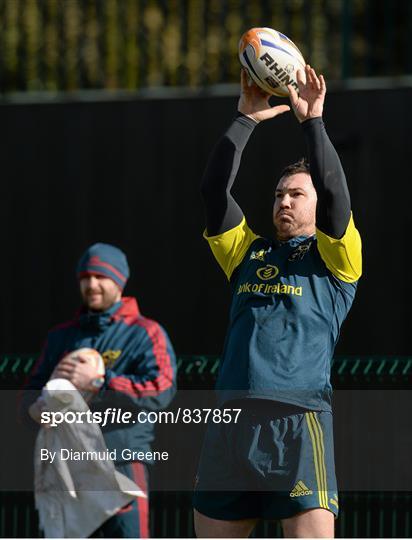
(53, 45)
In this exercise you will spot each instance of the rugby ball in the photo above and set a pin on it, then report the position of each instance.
(91, 356)
(94, 358)
(271, 59)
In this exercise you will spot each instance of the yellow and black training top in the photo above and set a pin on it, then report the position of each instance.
(289, 299)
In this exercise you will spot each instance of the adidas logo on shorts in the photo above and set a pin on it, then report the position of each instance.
(300, 489)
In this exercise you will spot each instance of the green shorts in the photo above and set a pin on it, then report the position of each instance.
(275, 462)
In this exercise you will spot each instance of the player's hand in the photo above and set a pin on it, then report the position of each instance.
(312, 91)
(254, 102)
(77, 370)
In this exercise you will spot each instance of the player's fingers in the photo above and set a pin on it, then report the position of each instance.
(274, 111)
(255, 90)
(315, 80)
(248, 79)
(301, 79)
(293, 95)
(265, 97)
(63, 374)
(244, 81)
(67, 363)
(65, 367)
(82, 359)
(322, 84)
(261, 92)
(280, 109)
(311, 82)
(69, 360)
(301, 76)
(310, 76)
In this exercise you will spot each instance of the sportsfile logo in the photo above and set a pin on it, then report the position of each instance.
(300, 490)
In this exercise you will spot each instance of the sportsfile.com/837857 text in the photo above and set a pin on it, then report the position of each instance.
(118, 416)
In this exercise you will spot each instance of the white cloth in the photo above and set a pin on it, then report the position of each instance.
(67, 504)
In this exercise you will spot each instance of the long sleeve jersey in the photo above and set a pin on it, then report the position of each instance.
(139, 361)
(289, 299)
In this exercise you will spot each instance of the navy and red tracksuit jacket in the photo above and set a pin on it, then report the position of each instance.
(140, 367)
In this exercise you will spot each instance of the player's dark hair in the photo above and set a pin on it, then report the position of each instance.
(301, 166)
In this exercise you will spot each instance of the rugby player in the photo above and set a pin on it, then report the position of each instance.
(290, 297)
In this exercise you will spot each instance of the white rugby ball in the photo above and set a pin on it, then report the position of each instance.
(271, 59)
(91, 356)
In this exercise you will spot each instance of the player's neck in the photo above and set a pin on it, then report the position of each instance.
(307, 231)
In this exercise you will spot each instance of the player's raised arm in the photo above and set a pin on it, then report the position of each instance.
(338, 240)
(227, 231)
(222, 211)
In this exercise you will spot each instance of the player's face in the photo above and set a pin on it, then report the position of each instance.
(98, 292)
(294, 210)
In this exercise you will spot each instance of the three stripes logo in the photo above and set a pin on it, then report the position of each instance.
(318, 446)
(300, 490)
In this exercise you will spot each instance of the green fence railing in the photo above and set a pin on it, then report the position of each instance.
(199, 371)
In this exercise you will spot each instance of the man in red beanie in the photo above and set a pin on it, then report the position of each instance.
(140, 369)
